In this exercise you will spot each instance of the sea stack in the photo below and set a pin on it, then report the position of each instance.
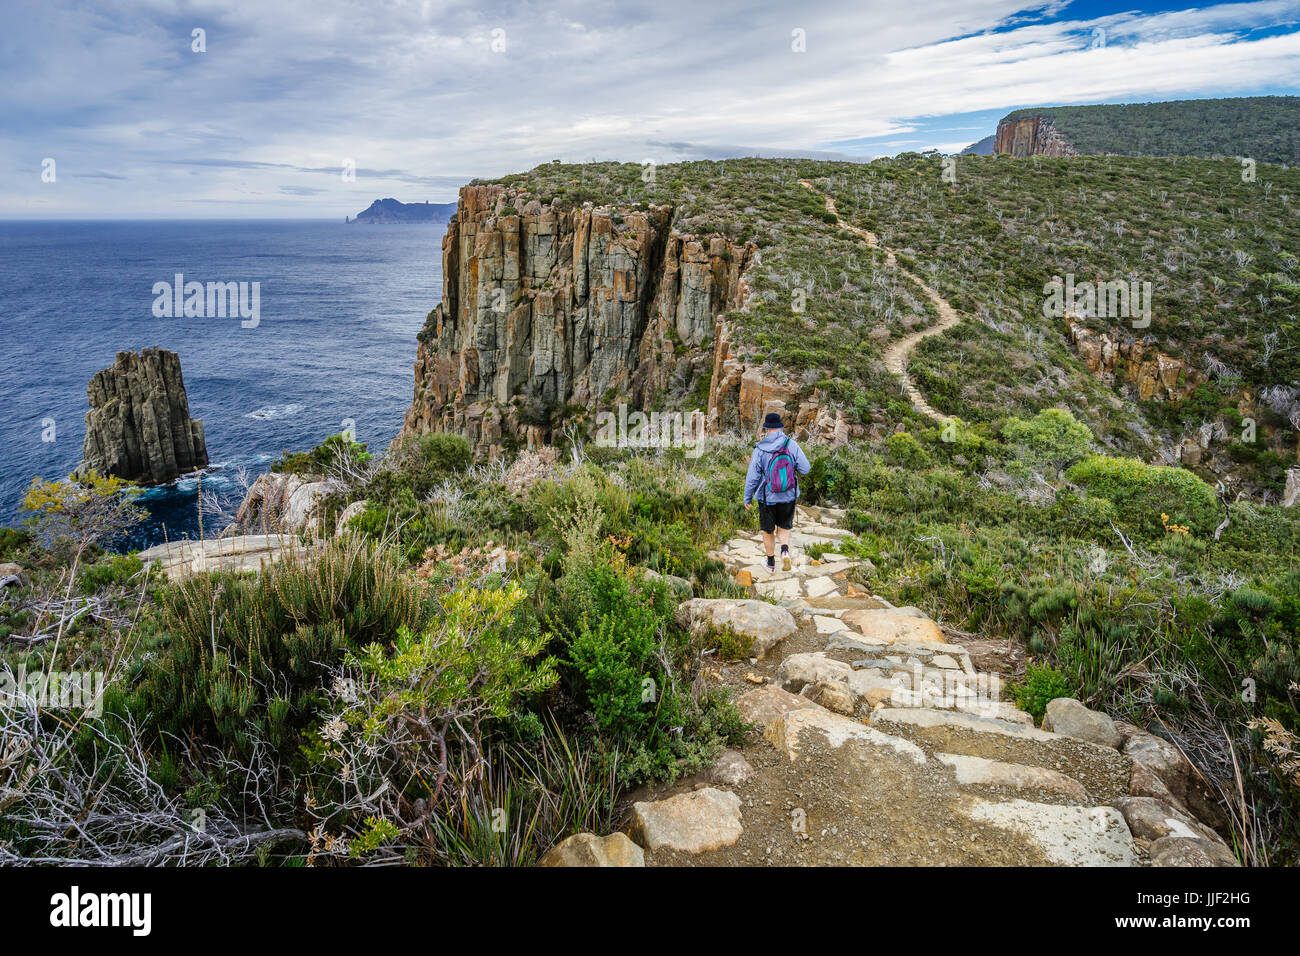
(139, 424)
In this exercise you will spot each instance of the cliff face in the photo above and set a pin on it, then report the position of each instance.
(139, 424)
(1031, 136)
(1153, 374)
(545, 308)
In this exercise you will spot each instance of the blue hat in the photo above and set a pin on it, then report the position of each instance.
(773, 420)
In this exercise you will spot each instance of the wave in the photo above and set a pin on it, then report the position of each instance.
(276, 411)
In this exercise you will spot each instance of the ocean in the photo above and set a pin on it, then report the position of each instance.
(340, 306)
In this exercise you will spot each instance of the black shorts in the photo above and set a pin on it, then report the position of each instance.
(779, 515)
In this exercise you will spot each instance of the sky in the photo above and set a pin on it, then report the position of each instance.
(314, 108)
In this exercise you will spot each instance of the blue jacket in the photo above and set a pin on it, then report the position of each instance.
(756, 480)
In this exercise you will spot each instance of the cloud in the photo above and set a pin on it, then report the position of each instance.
(422, 96)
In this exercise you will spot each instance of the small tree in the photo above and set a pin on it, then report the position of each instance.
(82, 511)
(1051, 439)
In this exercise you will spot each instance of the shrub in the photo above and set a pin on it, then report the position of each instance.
(324, 458)
(1052, 438)
(1142, 493)
(116, 569)
(902, 449)
(86, 510)
(13, 541)
(1041, 686)
(626, 661)
(247, 654)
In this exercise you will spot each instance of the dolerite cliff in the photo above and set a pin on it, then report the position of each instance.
(139, 424)
(1031, 136)
(547, 309)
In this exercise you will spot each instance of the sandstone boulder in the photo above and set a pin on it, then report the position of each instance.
(893, 624)
(731, 769)
(587, 849)
(347, 514)
(1191, 851)
(694, 822)
(765, 704)
(283, 504)
(1067, 716)
(1151, 819)
(765, 624)
(1163, 759)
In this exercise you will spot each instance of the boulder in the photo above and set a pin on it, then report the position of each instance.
(705, 819)
(1151, 819)
(347, 514)
(731, 769)
(179, 559)
(998, 775)
(1066, 715)
(765, 704)
(766, 624)
(1191, 851)
(139, 426)
(283, 504)
(1162, 758)
(789, 733)
(587, 849)
(1064, 835)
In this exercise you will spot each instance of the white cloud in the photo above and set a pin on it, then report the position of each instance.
(415, 89)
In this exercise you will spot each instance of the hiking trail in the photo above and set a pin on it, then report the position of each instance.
(897, 353)
(883, 739)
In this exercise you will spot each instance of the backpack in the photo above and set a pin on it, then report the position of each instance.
(781, 473)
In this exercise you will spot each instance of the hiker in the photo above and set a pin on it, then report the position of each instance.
(773, 479)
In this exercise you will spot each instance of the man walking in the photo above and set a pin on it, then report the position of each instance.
(773, 479)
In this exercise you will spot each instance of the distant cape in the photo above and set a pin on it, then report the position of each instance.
(393, 211)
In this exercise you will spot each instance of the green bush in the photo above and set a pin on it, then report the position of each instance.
(902, 449)
(13, 541)
(322, 459)
(1041, 686)
(1052, 438)
(1142, 493)
(627, 663)
(117, 570)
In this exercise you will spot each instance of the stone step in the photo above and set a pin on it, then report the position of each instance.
(1065, 835)
(787, 731)
(1014, 779)
(1102, 771)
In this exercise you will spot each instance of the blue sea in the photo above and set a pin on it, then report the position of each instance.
(340, 308)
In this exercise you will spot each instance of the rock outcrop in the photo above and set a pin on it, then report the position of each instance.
(139, 424)
(283, 504)
(1114, 357)
(547, 308)
(1031, 136)
(252, 552)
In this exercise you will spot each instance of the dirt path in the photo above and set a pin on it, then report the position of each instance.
(897, 353)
